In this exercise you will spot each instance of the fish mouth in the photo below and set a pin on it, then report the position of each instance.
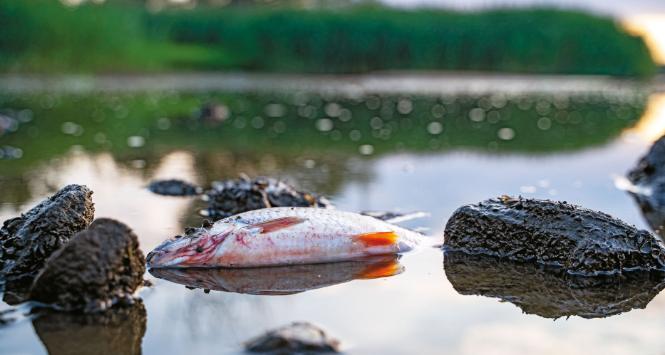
(162, 260)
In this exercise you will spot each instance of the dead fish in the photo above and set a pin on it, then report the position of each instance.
(284, 236)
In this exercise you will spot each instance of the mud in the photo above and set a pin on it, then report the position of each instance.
(550, 293)
(27, 241)
(578, 240)
(230, 197)
(282, 280)
(174, 187)
(99, 267)
(649, 179)
(118, 330)
(296, 338)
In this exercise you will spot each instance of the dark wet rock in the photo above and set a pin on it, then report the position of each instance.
(27, 241)
(648, 177)
(296, 338)
(230, 197)
(550, 293)
(578, 240)
(99, 267)
(174, 187)
(118, 330)
(281, 280)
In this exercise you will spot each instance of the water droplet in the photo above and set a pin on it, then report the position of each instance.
(404, 106)
(275, 110)
(257, 122)
(135, 141)
(71, 128)
(435, 128)
(366, 149)
(477, 114)
(544, 123)
(333, 109)
(376, 123)
(506, 134)
(324, 124)
(163, 123)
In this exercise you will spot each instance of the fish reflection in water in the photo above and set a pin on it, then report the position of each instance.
(547, 293)
(118, 330)
(282, 280)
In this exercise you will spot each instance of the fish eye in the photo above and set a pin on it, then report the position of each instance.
(199, 249)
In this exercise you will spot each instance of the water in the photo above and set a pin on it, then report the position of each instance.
(575, 155)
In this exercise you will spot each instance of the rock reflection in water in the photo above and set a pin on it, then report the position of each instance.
(648, 186)
(119, 330)
(548, 293)
(282, 280)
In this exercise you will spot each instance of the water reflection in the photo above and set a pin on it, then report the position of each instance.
(282, 280)
(119, 330)
(271, 125)
(547, 293)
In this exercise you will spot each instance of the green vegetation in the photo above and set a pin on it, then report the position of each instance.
(288, 125)
(44, 36)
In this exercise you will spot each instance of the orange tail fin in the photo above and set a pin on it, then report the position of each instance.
(376, 239)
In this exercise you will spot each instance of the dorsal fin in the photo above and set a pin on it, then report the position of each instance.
(277, 224)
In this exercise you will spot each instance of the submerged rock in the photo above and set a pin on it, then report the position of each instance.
(27, 241)
(648, 177)
(118, 330)
(230, 197)
(296, 338)
(550, 293)
(578, 240)
(281, 280)
(96, 269)
(174, 187)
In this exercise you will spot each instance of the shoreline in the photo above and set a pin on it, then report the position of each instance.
(393, 82)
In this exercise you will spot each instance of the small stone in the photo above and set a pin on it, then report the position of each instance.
(296, 338)
(174, 187)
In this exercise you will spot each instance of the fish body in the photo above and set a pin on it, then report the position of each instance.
(284, 236)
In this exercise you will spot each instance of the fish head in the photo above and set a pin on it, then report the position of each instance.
(197, 248)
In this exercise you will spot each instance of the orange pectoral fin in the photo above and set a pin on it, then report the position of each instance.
(377, 239)
(277, 224)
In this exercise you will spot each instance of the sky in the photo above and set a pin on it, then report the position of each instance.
(619, 8)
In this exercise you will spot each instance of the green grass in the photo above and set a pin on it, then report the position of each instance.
(44, 36)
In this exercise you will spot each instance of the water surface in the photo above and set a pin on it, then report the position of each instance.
(368, 151)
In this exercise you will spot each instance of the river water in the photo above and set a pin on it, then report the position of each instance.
(366, 150)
